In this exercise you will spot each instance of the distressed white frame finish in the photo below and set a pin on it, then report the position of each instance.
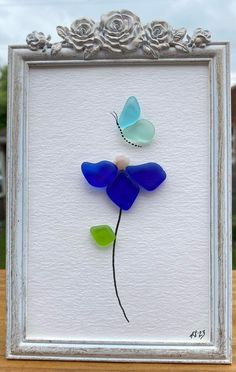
(216, 56)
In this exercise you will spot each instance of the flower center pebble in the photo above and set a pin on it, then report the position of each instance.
(121, 162)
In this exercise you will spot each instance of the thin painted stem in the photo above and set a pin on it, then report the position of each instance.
(113, 266)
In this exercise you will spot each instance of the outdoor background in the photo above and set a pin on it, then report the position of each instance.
(20, 17)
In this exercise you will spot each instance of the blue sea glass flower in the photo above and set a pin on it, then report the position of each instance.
(122, 181)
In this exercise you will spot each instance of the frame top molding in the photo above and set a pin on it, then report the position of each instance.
(120, 33)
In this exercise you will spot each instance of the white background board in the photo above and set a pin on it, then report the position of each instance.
(163, 245)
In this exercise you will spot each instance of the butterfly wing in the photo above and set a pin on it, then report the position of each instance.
(148, 175)
(99, 174)
(141, 133)
(130, 113)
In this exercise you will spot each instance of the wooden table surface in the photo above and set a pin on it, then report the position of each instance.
(45, 366)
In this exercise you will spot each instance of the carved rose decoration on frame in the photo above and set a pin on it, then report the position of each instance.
(158, 36)
(81, 35)
(120, 32)
(37, 40)
(200, 38)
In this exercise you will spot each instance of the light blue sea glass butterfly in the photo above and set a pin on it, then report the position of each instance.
(134, 130)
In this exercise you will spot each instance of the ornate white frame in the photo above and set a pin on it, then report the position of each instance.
(147, 46)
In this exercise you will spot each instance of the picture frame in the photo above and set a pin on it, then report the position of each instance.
(61, 303)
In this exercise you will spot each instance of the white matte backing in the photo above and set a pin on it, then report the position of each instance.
(163, 245)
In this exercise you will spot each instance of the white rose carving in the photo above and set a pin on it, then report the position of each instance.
(200, 38)
(37, 40)
(120, 31)
(158, 35)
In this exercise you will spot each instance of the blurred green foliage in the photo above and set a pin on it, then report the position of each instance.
(3, 96)
(3, 122)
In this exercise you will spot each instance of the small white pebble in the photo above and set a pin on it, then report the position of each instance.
(121, 162)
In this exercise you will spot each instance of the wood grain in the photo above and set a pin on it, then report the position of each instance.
(45, 366)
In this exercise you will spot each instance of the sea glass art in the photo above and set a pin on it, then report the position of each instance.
(133, 129)
(103, 235)
(122, 183)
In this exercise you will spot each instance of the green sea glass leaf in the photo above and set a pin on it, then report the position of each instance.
(103, 235)
(141, 133)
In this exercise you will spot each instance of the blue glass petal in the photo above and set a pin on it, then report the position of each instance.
(123, 191)
(148, 175)
(130, 113)
(99, 174)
